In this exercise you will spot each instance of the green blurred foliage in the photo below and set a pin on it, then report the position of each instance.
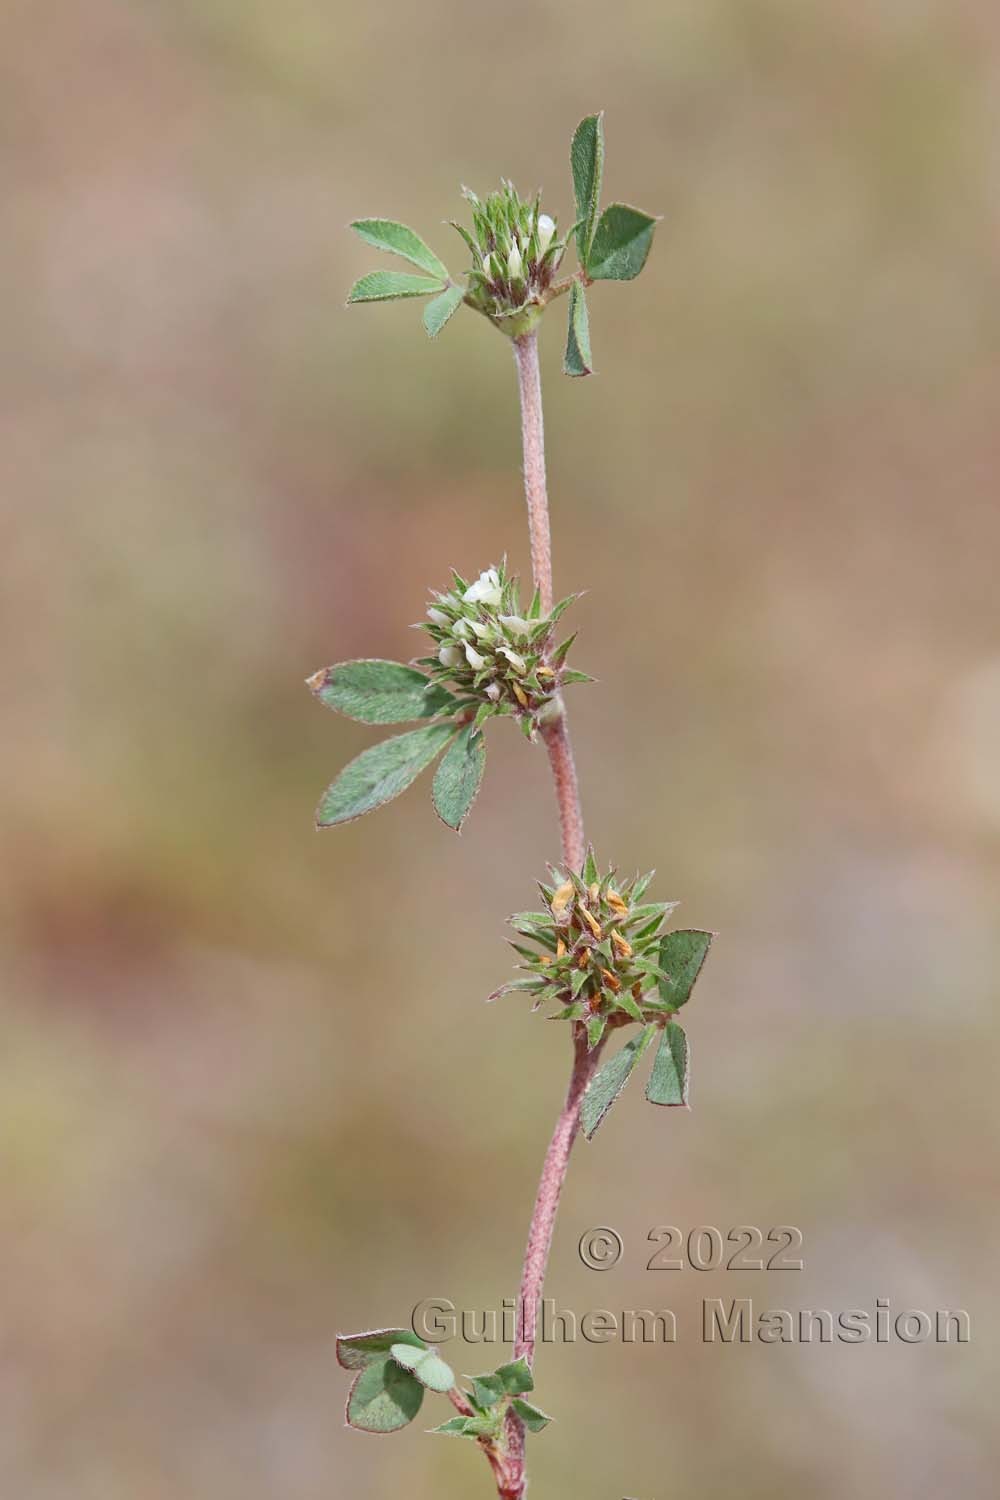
(779, 491)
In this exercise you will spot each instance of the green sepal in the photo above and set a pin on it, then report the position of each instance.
(437, 313)
(626, 1002)
(568, 678)
(428, 1367)
(356, 1350)
(668, 1082)
(397, 239)
(379, 774)
(373, 691)
(390, 286)
(532, 1416)
(608, 1082)
(459, 776)
(596, 1027)
(384, 1398)
(586, 157)
(577, 359)
(621, 243)
(682, 955)
(591, 874)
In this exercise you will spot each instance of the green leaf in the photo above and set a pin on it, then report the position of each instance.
(682, 955)
(608, 1082)
(380, 692)
(532, 1416)
(356, 1350)
(386, 234)
(578, 359)
(471, 1427)
(517, 1377)
(377, 775)
(586, 157)
(437, 313)
(487, 1390)
(621, 244)
(429, 1368)
(668, 1082)
(389, 286)
(384, 1397)
(458, 777)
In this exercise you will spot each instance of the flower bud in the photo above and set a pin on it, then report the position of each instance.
(438, 616)
(514, 624)
(449, 656)
(514, 266)
(546, 229)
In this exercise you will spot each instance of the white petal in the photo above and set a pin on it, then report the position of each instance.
(438, 616)
(449, 656)
(474, 659)
(517, 662)
(493, 691)
(546, 229)
(515, 624)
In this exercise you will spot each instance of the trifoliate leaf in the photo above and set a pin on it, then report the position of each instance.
(384, 1397)
(356, 1350)
(380, 692)
(578, 359)
(668, 1082)
(681, 956)
(487, 1390)
(608, 1082)
(386, 234)
(389, 286)
(437, 313)
(586, 157)
(621, 243)
(459, 776)
(429, 1368)
(532, 1417)
(377, 775)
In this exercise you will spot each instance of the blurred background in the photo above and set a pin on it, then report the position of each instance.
(249, 1093)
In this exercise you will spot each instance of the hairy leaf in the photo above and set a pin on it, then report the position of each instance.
(586, 156)
(517, 1377)
(377, 775)
(437, 313)
(532, 1416)
(578, 359)
(682, 954)
(608, 1082)
(380, 692)
(384, 1397)
(459, 776)
(668, 1082)
(429, 1368)
(621, 243)
(389, 286)
(356, 1350)
(386, 234)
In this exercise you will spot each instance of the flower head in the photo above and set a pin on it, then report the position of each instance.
(598, 950)
(515, 254)
(498, 660)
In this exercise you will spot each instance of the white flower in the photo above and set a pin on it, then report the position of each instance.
(449, 656)
(515, 624)
(474, 659)
(517, 662)
(462, 630)
(493, 691)
(438, 616)
(514, 262)
(546, 229)
(485, 590)
(484, 631)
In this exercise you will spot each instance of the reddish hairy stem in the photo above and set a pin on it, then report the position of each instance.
(560, 752)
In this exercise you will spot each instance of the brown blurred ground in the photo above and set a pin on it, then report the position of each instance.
(240, 1105)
